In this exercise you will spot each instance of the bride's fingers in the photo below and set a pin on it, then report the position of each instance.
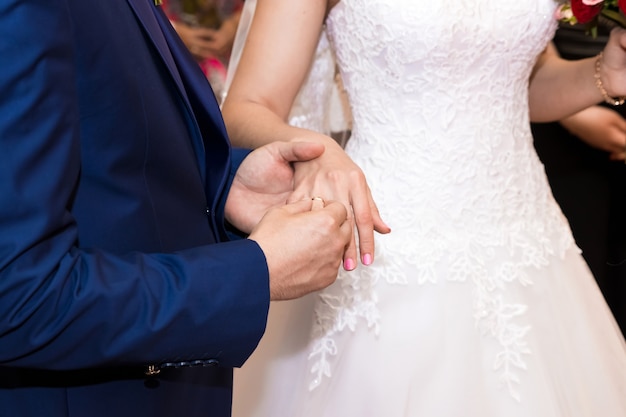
(367, 220)
(318, 203)
(350, 255)
(365, 229)
(379, 224)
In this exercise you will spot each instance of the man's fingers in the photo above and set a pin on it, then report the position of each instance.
(300, 206)
(379, 224)
(337, 210)
(300, 151)
(367, 220)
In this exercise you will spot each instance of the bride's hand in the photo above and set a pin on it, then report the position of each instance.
(334, 176)
(613, 64)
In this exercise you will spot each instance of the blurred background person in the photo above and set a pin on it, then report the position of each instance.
(207, 27)
(322, 104)
(584, 160)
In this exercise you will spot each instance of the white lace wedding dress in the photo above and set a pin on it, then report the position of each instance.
(478, 303)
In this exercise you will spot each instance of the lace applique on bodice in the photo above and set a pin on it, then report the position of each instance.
(439, 97)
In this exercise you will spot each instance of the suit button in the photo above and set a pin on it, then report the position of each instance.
(212, 362)
(152, 370)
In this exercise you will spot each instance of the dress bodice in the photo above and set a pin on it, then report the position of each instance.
(478, 289)
(439, 97)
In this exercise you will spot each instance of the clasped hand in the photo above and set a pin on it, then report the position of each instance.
(267, 179)
(613, 69)
(303, 241)
(336, 177)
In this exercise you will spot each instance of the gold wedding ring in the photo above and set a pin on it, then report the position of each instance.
(316, 203)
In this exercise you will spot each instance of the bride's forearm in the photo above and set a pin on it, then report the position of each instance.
(251, 125)
(560, 88)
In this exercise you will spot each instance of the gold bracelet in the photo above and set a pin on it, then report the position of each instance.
(613, 101)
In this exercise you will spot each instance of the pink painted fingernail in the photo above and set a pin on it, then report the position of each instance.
(367, 259)
(348, 264)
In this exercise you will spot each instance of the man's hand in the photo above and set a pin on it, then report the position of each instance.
(303, 243)
(265, 179)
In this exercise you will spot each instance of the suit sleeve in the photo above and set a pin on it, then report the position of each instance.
(64, 307)
(236, 158)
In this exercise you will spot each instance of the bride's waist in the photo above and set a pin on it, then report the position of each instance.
(447, 226)
(466, 212)
(468, 202)
(462, 177)
(409, 142)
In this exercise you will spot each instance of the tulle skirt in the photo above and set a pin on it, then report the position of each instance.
(428, 357)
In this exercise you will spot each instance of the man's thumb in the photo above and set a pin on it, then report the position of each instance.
(300, 206)
(301, 151)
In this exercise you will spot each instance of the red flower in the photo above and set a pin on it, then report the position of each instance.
(584, 13)
(622, 5)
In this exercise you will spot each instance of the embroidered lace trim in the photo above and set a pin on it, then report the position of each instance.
(439, 100)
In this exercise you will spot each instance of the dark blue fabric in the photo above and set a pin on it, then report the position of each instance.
(114, 164)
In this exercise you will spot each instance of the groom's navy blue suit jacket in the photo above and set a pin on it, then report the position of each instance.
(114, 165)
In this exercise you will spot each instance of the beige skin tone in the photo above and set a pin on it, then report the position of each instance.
(206, 43)
(600, 128)
(560, 88)
(597, 126)
(304, 241)
(267, 103)
(258, 103)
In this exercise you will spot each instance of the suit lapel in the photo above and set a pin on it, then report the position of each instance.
(202, 110)
(143, 11)
(206, 111)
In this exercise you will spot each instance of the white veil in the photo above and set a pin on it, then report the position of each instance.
(321, 104)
